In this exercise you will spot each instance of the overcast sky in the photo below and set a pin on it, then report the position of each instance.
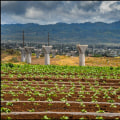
(51, 12)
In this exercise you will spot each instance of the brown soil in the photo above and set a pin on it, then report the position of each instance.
(58, 93)
(58, 98)
(57, 115)
(59, 107)
(59, 83)
(47, 108)
(63, 79)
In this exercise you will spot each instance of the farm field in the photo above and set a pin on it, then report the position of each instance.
(59, 92)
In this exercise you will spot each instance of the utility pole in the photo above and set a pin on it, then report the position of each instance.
(23, 38)
(48, 38)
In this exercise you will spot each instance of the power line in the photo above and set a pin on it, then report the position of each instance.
(48, 38)
(23, 38)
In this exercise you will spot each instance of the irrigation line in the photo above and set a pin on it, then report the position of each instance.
(65, 102)
(63, 113)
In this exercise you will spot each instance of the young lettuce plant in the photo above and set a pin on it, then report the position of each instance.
(82, 118)
(82, 104)
(49, 100)
(31, 110)
(64, 118)
(6, 110)
(113, 106)
(9, 118)
(45, 117)
(16, 99)
(83, 111)
(9, 103)
(99, 118)
(99, 111)
(67, 104)
(63, 99)
(31, 99)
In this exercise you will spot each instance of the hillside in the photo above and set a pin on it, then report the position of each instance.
(83, 33)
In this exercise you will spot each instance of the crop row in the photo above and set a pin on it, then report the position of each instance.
(44, 96)
(59, 92)
(61, 71)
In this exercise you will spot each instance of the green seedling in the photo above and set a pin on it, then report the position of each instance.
(36, 103)
(99, 118)
(9, 103)
(82, 104)
(24, 103)
(6, 110)
(64, 118)
(16, 99)
(116, 118)
(32, 110)
(9, 118)
(100, 111)
(83, 111)
(45, 117)
(67, 104)
(82, 118)
(118, 96)
(49, 99)
(113, 106)
(63, 99)
(31, 99)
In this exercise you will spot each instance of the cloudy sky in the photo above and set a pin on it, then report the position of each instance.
(51, 12)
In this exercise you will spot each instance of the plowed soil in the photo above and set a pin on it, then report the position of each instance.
(35, 99)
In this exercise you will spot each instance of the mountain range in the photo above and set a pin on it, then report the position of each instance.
(83, 33)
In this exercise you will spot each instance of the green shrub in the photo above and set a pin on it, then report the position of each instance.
(12, 52)
(33, 54)
(13, 59)
(9, 65)
(97, 55)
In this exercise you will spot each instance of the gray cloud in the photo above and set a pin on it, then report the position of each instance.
(19, 7)
(51, 12)
(13, 7)
(88, 5)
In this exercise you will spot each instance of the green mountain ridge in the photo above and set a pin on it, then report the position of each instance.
(83, 33)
